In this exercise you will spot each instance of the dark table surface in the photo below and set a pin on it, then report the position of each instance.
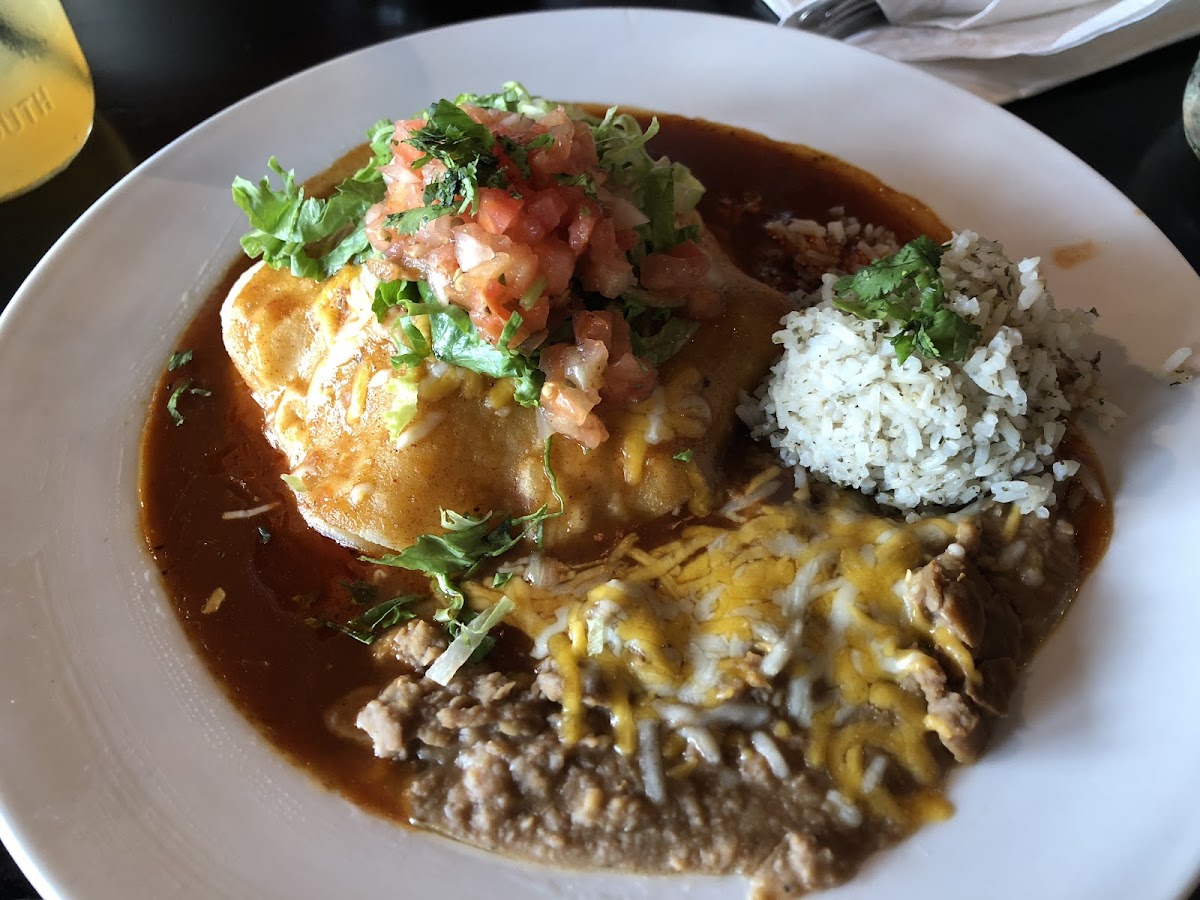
(162, 67)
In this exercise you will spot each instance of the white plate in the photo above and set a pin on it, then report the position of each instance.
(123, 770)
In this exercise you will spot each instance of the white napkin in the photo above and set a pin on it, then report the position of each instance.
(1003, 50)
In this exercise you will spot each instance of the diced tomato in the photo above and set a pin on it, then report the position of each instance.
(583, 151)
(497, 209)
(593, 326)
(627, 239)
(548, 208)
(557, 264)
(490, 309)
(579, 231)
(568, 412)
(522, 268)
(628, 380)
(606, 270)
(495, 298)
(533, 320)
(622, 340)
(552, 160)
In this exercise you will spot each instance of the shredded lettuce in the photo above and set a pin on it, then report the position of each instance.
(313, 237)
(662, 190)
(512, 97)
(295, 482)
(404, 403)
(469, 638)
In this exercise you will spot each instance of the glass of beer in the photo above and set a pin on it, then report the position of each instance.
(46, 96)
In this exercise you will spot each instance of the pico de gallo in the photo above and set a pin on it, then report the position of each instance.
(516, 237)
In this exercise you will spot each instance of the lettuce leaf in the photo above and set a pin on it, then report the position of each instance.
(313, 237)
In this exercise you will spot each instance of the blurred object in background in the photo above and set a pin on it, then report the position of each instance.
(32, 222)
(46, 97)
(1191, 109)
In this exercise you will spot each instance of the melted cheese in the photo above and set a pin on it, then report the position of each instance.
(689, 624)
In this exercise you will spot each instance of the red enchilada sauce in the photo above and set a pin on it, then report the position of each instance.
(265, 644)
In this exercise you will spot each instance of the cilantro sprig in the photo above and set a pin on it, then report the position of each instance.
(179, 358)
(907, 290)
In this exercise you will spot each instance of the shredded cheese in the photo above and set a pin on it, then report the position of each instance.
(214, 601)
(814, 595)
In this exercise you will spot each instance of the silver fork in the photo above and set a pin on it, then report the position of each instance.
(836, 18)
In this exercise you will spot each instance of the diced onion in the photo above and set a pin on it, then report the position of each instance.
(769, 751)
(650, 761)
(470, 251)
(625, 215)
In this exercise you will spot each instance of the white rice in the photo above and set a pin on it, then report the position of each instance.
(931, 432)
(1174, 369)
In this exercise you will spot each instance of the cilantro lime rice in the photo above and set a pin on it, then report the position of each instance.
(856, 401)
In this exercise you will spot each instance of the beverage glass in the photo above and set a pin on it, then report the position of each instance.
(46, 97)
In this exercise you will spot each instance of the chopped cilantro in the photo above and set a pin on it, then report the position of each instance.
(519, 153)
(583, 180)
(906, 288)
(263, 534)
(684, 455)
(184, 387)
(361, 592)
(410, 221)
(657, 333)
(500, 579)
(465, 148)
(179, 358)
(372, 623)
